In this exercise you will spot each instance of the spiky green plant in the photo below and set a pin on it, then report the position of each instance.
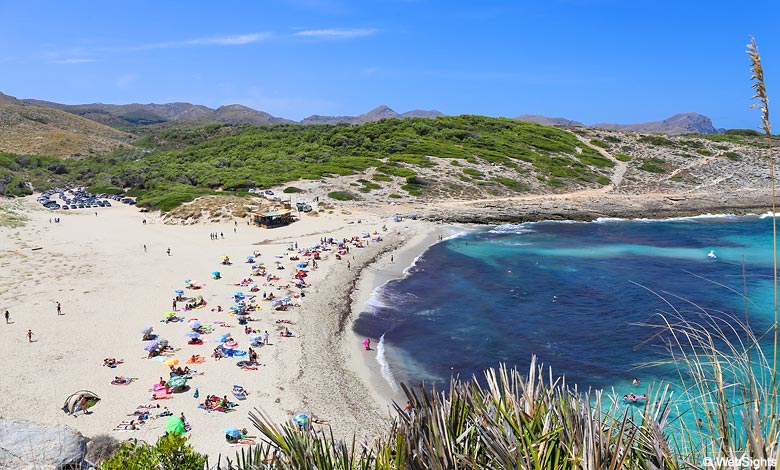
(507, 420)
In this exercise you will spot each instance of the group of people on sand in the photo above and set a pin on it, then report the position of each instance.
(215, 403)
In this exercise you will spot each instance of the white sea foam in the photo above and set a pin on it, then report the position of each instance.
(384, 365)
(513, 228)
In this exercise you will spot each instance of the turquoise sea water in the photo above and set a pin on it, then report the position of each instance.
(575, 294)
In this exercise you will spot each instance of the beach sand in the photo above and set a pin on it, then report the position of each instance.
(110, 288)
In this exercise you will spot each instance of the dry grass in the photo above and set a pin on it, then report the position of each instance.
(42, 131)
(215, 209)
(11, 219)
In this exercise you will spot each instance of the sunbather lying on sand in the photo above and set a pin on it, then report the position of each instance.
(121, 380)
(130, 425)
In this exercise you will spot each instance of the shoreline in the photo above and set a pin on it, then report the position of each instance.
(110, 288)
(372, 278)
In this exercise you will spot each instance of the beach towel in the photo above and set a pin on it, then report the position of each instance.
(197, 360)
(128, 381)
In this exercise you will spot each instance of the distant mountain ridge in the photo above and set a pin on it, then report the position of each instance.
(681, 123)
(380, 112)
(136, 114)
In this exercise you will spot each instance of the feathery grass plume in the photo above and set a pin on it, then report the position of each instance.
(763, 104)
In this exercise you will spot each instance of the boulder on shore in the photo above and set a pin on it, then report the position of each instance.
(24, 444)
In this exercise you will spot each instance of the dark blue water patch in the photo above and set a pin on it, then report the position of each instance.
(576, 295)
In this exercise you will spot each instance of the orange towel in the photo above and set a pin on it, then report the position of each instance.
(197, 360)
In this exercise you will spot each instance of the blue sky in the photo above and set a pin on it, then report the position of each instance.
(588, 60)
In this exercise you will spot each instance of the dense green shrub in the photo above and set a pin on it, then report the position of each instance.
(656, 140)
(653, 165)
(342, 195)
(623, 157)
(292, 189)
(171, 452)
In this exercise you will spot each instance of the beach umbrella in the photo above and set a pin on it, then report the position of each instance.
(215, 273)
(163, 343)
(192, 334)
(222, 339)
(174, 425)
(74, 398)
(250, 257)
(188, 281)
(253, 286)
(178, 292)
(230, 344)
(151, 345)
(146, 330)
(286, 299)
(255, 339)
(176, 382)
(195, 324)
(301, 419)
(232, 432)
(171, 361)
(238, 293)
(299, 282)
(170, 314)
(301, 265)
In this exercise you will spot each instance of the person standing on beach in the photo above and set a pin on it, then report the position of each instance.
(29, 336)
(59, 308)
(169, 252)
(144, 248)
(7, 317)
(266, 337)
(174, 304)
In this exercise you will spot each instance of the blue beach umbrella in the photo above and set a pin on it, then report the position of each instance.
(238, 293)
(195, 324)
(151, 345)
(301, 419)
(301, 265)
(232, 432)
(146, 330)
(188, 281)
(178, 292)
(215, 273)
(192, 334)
(250, 257)
(222, 339)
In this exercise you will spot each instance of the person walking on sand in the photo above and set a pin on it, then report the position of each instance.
(7, 317)
(29, 336)
(169, 252)
(266, 337)
(59, 308)
(144, 248)
(174, 304)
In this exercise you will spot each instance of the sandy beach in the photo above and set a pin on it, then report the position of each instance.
(112, 275)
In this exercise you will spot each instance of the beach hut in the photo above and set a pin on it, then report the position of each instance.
(273, 219)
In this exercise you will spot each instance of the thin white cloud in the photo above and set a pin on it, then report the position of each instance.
(74, 61)
(233, 40)
(337, 33)
(238, 40)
